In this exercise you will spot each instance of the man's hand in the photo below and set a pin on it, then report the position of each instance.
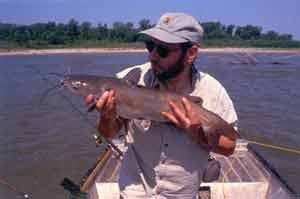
(187, 119)
(221, 141)
(105, 104)
(109, 123)
(181, 118)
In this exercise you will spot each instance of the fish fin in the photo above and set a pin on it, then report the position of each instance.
(133, 76)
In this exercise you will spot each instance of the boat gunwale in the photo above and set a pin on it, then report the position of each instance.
(106, 154)
(272, 170)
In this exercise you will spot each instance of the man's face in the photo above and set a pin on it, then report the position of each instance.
(164, 56)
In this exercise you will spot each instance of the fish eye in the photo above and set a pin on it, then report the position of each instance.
(78, 84)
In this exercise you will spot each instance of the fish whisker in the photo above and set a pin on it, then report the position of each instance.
(108, 142)
(61, 76)
(45, 94)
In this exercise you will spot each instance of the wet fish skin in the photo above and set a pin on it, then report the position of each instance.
(132, 102)
(135, 102)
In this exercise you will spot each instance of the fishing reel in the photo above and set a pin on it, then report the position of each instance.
(97, 139)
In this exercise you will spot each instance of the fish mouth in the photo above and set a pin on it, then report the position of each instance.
(68, 84)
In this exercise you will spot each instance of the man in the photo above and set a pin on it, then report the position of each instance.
(167, 160)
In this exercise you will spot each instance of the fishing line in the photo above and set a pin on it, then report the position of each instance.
(46, 93)
(83, 115)
(56, 74)
(280, 148)
(12, 188)
(231, 162)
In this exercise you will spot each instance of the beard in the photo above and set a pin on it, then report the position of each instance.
(172, 72)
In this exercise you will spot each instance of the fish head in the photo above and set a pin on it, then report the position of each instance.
(84, 85)
(77, 85)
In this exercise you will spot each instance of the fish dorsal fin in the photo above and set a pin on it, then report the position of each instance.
(133, 76)
(195, 99)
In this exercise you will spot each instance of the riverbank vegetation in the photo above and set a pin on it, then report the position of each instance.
(125, 35)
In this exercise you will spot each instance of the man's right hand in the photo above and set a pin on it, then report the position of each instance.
(109, 122)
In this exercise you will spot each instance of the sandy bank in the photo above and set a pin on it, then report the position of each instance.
(132, 50)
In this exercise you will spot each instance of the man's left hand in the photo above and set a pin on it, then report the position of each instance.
(220, 141)
(181, 118)
(186, 119)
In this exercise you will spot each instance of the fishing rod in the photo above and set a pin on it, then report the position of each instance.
(98, 138)
(13, 188)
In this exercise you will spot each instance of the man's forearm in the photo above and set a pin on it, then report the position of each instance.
(225, 146)
(218, 143)
(109, 127)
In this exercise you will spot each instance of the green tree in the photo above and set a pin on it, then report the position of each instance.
(22, 34)
(216, 34)
(144, 24)
(5, 31)
(102, 32)
(37, 30)
(51, 26)
(286, 37)
(248, 32)
(85, 30)
(72, 30)
(123, 32)
(55, 38)
(213, 30)
(229, 30)
(271, 35)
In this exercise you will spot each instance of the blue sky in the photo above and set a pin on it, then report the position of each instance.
(282, 16)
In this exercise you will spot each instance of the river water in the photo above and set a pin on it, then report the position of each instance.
(43, 141)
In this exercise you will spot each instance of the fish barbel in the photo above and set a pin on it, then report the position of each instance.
(138, 102)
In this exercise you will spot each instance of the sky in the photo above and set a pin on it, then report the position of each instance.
(282, 16)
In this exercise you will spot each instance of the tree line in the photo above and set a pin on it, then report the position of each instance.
(52, 33)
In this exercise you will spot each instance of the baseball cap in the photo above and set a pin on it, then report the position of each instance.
(176, 28)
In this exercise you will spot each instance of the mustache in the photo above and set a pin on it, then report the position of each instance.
(168, 73)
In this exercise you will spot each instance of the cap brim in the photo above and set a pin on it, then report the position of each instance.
(163, 35)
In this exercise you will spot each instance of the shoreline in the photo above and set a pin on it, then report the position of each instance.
(137, 50)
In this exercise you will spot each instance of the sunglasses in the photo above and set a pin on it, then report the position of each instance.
(161, 50)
